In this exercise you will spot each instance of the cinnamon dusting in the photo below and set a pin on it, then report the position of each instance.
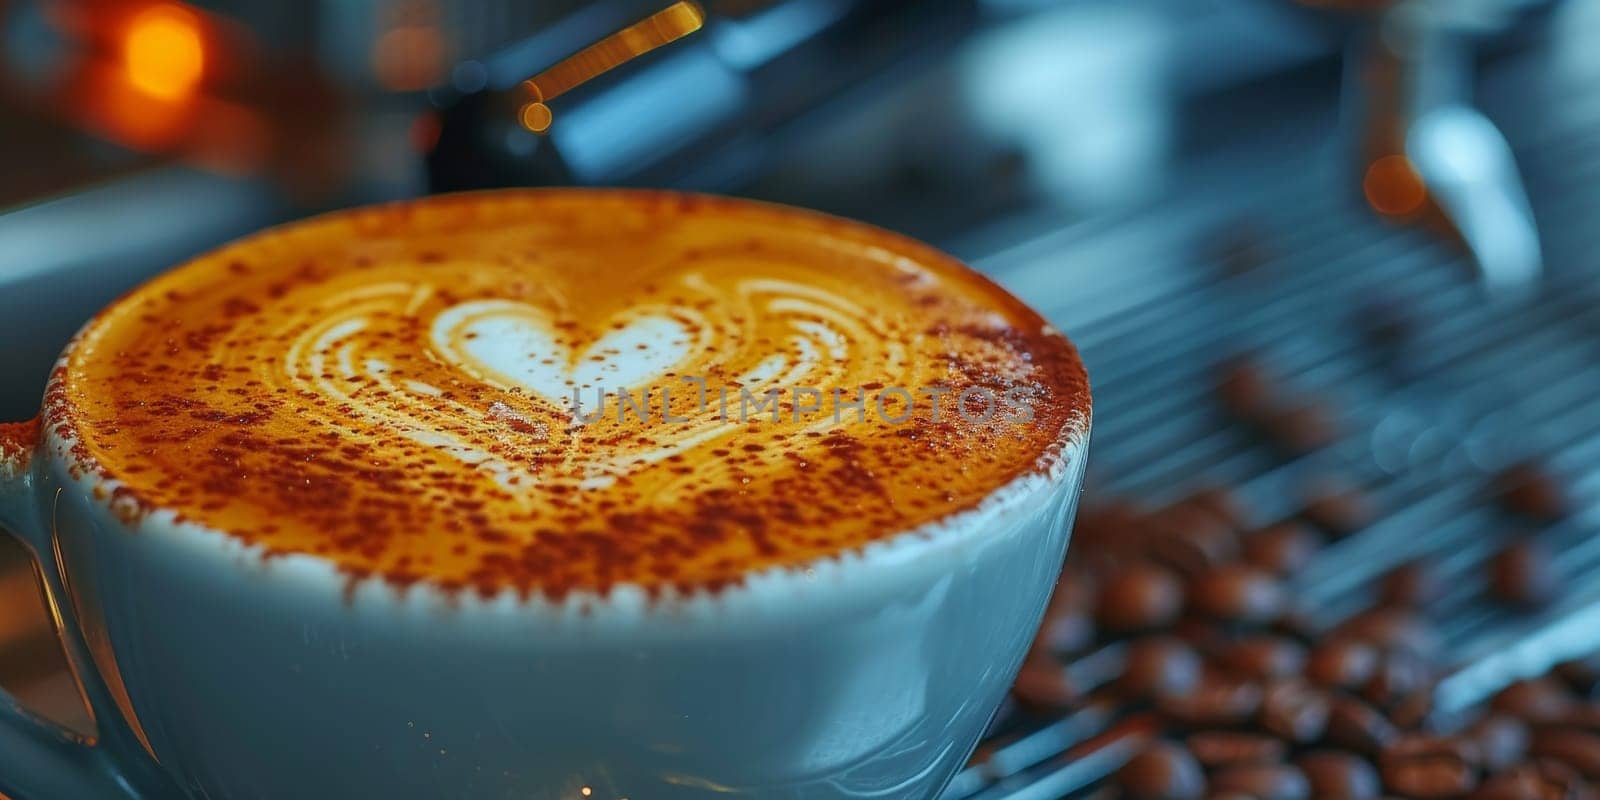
(17, 443)
(347, 387)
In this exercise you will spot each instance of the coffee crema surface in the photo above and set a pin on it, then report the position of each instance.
(392, 389)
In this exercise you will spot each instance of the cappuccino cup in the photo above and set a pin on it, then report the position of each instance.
(544, 494)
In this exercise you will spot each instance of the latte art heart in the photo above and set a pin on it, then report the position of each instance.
(549, 368)
(515, 345)
(440, 391)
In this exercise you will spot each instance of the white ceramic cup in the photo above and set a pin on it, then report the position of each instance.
(213, 673)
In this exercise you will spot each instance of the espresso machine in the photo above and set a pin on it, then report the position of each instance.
(1176, 183)
(932, 117)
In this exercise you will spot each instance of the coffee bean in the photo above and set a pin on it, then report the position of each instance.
(1400, 675)
(1502, 740)
(1104, 534)
(1392, 629)
(1067, 626)
(1413, 711)
(1191, 540)
(1202, 634)
(1429, 777)
(1524, 576)
(1263, 657)
(1420, 765)
(1159, 666)
(1582, 674)
(1411, 585)
(1238, 593)
(1244, 389)
(1139, 597)
(1261, 781)
(1214, 749)
(1581, 717)
(1340, 509)
(1342, 663)
(1301, 427)
(1531, 491)
(1064, 632)
(1541, 779)
(1295, 624)
(1220, 502)
(1043, 685)
(1163, 771)
(1076, 590)
(1535, 699)
(1416, 745)
(1338, 775)
(1358, 727)
(1295, 710)
(1411, 744)
(1218, 701)
(1577, 749)
(1283, 548)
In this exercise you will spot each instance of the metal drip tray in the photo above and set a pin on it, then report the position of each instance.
(1294, 275)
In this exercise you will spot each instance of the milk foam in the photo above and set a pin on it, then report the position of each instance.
(394, 389)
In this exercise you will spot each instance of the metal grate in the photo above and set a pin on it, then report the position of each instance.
(1155, 308)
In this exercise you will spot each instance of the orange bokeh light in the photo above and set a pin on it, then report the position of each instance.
(409, 58)
(163, 53)
(1393, 187)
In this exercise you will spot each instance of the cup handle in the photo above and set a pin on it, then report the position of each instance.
(40, 760)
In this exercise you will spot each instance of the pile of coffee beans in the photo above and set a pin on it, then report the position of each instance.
(1192, 608)
(1296, 424)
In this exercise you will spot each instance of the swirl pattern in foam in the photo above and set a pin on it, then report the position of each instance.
(563, 390)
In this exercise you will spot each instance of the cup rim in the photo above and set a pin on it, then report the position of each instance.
(624, 602)
(1059, 463)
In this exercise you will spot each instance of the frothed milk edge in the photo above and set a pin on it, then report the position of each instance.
(628, 289)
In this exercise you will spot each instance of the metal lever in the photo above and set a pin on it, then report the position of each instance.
(1472, 178)
(1428, 155)
(653, 105)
